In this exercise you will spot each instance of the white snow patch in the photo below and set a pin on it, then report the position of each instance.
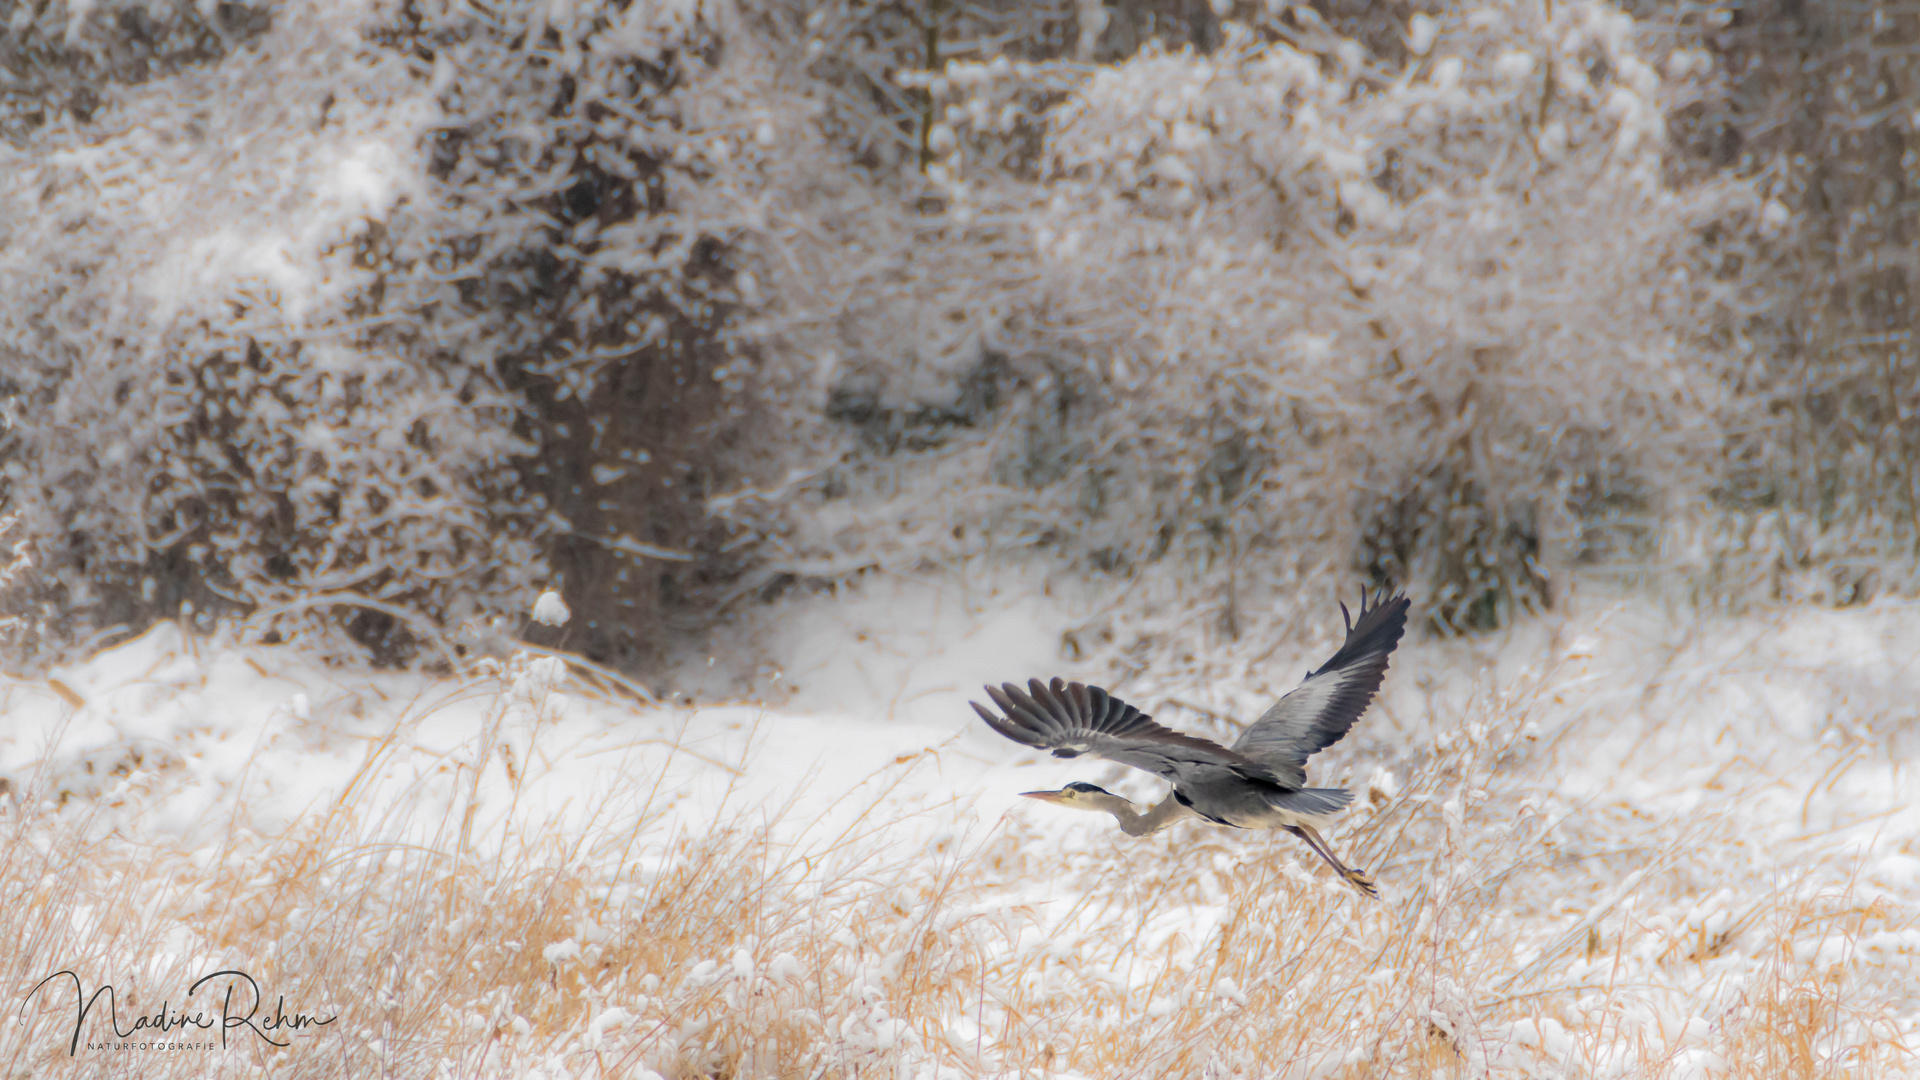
(551, 610)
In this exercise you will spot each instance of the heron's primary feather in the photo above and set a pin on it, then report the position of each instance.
(1071, 719)
(1318, 712)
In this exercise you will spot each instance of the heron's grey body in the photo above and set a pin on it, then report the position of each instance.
(1257, 783)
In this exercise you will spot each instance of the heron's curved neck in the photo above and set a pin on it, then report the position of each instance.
(1134, 823)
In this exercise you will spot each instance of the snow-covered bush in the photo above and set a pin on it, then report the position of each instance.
(58, 59)
(214, 396)
(415, 306)
(1820, 500)
(15, 561)
(1295, 310)
(666, 305)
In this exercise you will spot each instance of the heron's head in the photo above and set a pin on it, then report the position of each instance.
(1078, 795)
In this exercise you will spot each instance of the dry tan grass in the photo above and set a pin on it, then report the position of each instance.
(1524, 933)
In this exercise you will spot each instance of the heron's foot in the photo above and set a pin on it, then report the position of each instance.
(1363, 881)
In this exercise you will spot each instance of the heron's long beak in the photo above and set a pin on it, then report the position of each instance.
(1046, 796)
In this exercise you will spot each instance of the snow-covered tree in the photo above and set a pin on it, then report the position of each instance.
(391, 308)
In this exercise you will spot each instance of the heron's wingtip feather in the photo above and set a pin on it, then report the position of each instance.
(1008, 726)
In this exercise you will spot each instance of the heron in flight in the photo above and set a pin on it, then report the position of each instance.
(1260, 782)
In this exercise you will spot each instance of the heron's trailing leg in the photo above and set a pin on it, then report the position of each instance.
(1359, 879)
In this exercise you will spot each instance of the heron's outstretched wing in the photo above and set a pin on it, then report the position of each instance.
(1071, 719)
(1318, 712)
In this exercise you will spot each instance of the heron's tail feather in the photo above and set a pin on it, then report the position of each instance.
(1313, 800)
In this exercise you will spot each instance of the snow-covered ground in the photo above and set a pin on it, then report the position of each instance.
(1620, 841)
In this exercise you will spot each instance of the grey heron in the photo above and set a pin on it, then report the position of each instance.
(1257, 783)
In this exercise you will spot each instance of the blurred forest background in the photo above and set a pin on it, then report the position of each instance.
(360, 323)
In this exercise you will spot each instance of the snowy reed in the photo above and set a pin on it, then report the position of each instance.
(1576, 882)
